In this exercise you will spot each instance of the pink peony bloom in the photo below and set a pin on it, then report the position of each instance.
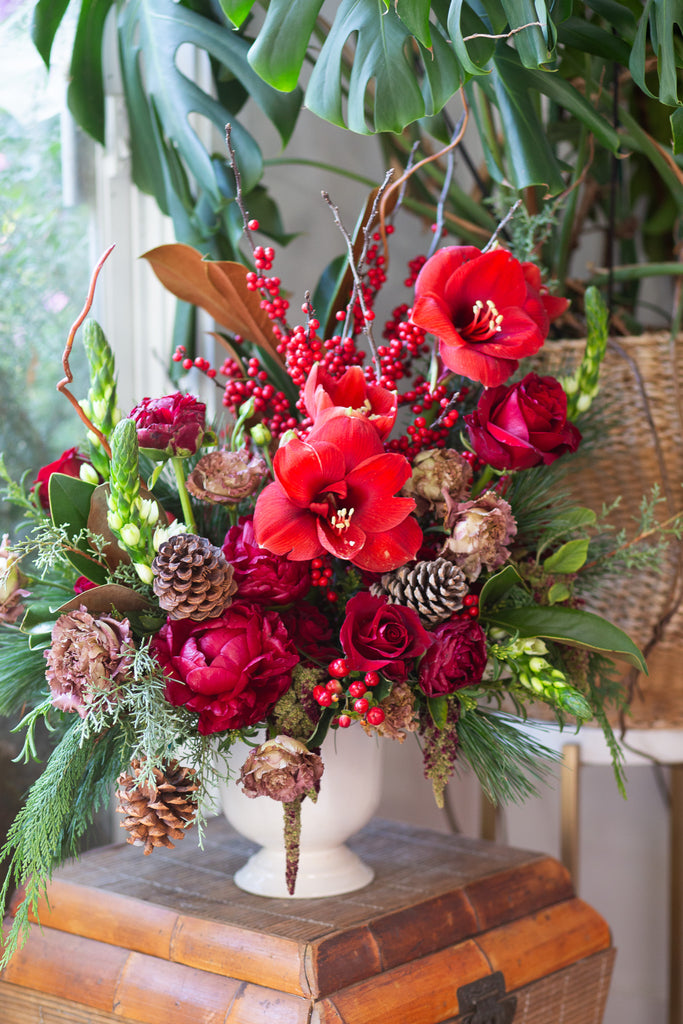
(230, 670)
(482, 311)
(260, 575)
(457, 657)
(173, 424)
(336, 491)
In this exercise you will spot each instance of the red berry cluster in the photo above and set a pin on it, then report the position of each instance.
(199, 363)
(354, 702)
(470, 607)
(271, 406)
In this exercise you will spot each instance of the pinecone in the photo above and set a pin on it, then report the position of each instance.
(157, 814)
(192, 578)
(432, 589)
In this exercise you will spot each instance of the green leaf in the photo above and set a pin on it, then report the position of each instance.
(588, 37)
(85, 94)
(438, 709)
(531, 42)
(278, 53)
(474, 54)
(662, 18)
(558, 592)
(676, 121)
(236, 10)
(573, 519)
(47, 17)
(497, 586)
(70, 500)
(415, 16)
(568, 558)
(570, 626)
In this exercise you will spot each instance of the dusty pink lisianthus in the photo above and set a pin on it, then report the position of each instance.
(88, 659)
(260, 574)
(282, 768)
(225, 477)
(457, 657)
(173, 424)
(379, 635)
(480, 532)
(230, 670)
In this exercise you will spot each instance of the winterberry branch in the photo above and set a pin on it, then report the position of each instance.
(68, 376)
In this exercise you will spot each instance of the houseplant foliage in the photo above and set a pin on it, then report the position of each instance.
(368, 536)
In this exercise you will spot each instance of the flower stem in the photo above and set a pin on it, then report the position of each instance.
(188, 514)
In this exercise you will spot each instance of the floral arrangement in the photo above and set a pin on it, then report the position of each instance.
(362, 536)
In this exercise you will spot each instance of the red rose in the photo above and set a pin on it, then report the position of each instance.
(230, 670)
(482, 310)
(522, 425)
(173, 424)
(260, 575)
(69, 463)
(376, 634)
(456, 658)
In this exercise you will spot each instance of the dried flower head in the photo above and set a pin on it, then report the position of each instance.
(437, 472)
(88, 660)
(11, 584)
(225, 478)
(282, 768)
(480, 532)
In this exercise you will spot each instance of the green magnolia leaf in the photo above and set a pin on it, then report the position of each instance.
(570, 626)
(438, 709)
(236, 10)
(47, 17)
(278, 53)
(497, 586)
(568, 558)
(382, 84)
(39, 619)
(70, 500)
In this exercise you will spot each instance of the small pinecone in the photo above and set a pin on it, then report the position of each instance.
(192, 578)
(432, 589)
(157, 814)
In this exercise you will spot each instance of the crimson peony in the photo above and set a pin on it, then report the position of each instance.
(173, 425)
(336, 491)
(457, 657)
(481, 309)
(230, 670)
(260, 575)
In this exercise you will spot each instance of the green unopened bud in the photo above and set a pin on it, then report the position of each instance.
(149, 511)
(261, 435)
(288, 436)
(99, 408)
(144, 572)
(130, 535)
(538, 665)
(88, 474)
(247, 409)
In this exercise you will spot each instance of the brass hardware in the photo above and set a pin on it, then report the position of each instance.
(485, 1001)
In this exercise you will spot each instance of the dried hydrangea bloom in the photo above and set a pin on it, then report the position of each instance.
(437, 472)
(225, 477)
(282, 768)
(88, 659)
(480, 532)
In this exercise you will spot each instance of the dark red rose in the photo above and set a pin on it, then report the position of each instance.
(376, 634)
(522, 425)
(456, 658)
(230, 670)
(482, 310)
(261, 575)
(173, 424)
(69, 463)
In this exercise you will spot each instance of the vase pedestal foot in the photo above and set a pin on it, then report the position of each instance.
(321, 873)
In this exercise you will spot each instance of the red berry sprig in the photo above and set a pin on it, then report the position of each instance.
(354, 702)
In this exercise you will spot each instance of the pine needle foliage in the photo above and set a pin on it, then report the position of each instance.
(507, 762)
(22, 671)
(60, 806)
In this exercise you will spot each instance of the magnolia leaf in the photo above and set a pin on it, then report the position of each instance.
(103, 600)
(38, 620)
(569, 557)
(70, 500)
(219, 287)
(497, 586)
(569, 626)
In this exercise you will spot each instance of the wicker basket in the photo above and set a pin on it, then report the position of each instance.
(640, 397)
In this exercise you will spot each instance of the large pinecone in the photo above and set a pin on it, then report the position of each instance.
(159, 813)
(192, 578)
(432, 589)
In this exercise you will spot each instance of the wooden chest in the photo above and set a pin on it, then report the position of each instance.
(451, 930)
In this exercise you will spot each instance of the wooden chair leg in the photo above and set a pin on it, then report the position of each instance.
(569, 810)
(676, 897)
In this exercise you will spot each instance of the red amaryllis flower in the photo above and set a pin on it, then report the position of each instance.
(351, 394)
(260, 575)
(69, 463)
(457, 657)
(230, 670)
(522, 425)
(553, 305)
(479, 307)
(376, 634)
(173, 424)
(336, 492)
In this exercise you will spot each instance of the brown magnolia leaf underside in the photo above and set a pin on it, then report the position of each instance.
(217, 286)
